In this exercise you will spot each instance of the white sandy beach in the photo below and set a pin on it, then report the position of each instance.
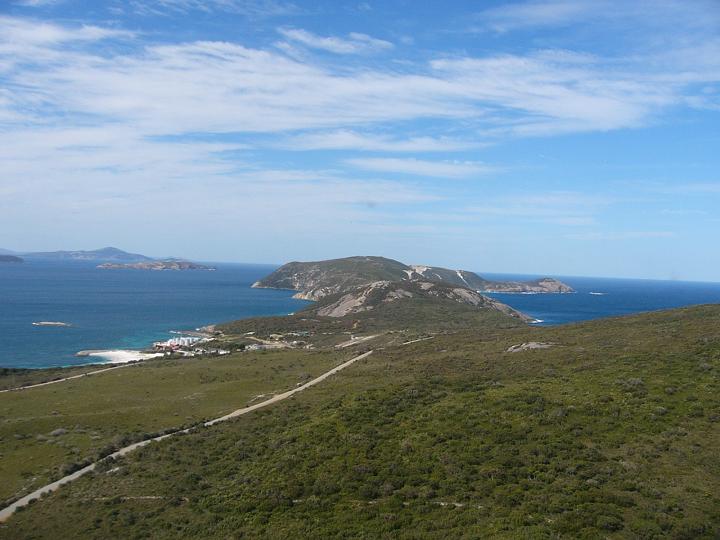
(119, 356)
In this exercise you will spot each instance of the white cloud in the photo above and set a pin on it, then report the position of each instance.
(36, 3)
(419, 167)
(556, 92)
(19, 32)
(224, 87)
(354, 43)
(353, 140)
(251, 8)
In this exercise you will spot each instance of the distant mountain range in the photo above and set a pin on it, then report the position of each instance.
(316, 280)
(106, 258)
(108, 254)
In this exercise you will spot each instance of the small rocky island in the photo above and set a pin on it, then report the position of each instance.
(167, 264)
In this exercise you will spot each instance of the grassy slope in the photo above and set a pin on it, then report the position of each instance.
(612, 433)
(113, 408)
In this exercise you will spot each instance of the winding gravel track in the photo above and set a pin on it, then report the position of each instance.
(88, 374)
(8, 511)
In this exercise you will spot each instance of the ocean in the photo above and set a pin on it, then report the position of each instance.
(119, 309)
(606, 297)
(129, 309)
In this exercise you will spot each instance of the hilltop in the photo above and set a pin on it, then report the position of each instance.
(315, 280)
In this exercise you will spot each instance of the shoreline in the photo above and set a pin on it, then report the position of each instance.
(118, 356)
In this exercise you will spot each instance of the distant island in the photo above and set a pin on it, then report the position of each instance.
(169, 264)
(316, 280)
(109, 258)
(10, 259)
(107, 254)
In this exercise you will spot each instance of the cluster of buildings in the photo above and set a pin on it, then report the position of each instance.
(187, 346)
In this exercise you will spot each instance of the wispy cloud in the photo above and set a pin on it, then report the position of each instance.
(557, 208)
(627, 235)
(420, 167)
(538, 13)
(353, 140)
(25, 32)
(640, 15)
(220, 86)
(252, 8)
(37, 3)
(354, 43)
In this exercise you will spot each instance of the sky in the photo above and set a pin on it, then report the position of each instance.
(559, 137)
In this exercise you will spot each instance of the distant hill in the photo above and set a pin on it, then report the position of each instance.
(10, 259)
(315, 280)
(108, 254)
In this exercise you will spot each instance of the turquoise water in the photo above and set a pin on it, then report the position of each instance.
(129, 309)
(124, 309)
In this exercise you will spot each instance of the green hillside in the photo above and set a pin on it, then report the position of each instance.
(316, 280)
(610, 432)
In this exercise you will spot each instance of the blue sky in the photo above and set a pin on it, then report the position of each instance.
(551, 137)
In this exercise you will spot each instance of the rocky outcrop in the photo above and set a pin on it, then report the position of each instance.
(538, 286)
(380, 293)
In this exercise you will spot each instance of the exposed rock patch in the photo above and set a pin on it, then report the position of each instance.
(531, 345)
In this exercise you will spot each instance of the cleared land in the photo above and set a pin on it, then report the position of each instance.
(613, 432)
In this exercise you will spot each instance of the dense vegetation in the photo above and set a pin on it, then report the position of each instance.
(408, 317)
(611, 433)
(50, 431)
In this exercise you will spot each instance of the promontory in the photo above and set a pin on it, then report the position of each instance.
(316, 280)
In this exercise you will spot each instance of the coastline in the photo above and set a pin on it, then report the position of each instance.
(117, 356)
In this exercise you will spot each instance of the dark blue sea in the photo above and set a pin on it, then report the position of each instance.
(129, 309)
(606, 297)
